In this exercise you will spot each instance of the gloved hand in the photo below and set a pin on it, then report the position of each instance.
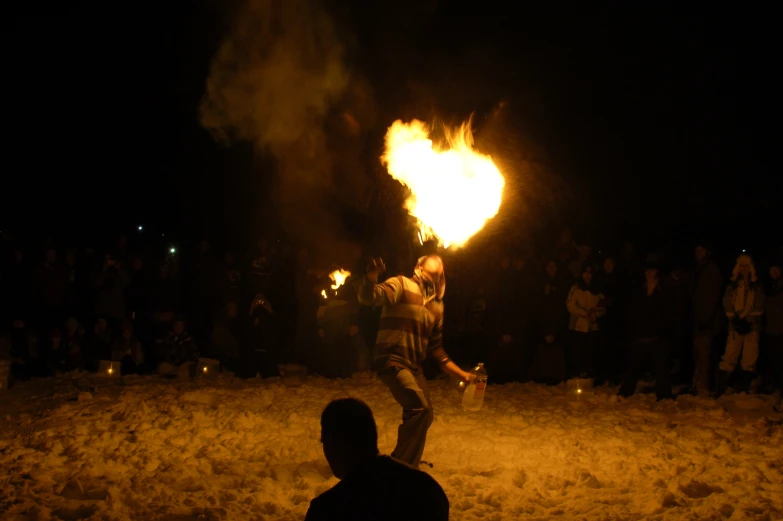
(741, 325)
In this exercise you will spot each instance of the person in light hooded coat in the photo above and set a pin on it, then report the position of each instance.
(586, 305)
(743, 303)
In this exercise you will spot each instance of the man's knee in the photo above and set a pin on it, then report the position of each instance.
(429, 414)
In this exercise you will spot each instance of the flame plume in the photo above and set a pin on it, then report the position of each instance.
(454, 189)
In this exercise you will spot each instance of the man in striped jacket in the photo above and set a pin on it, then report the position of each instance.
(411, 328)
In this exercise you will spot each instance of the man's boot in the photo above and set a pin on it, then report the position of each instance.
(722, 383)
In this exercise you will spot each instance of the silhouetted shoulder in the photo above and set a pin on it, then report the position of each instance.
(383, 489)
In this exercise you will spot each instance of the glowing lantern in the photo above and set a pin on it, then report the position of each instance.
(209, 367)
(109, 368)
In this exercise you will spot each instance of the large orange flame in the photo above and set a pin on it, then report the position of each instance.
(454, 189)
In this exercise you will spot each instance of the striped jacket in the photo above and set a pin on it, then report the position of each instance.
(411, 326)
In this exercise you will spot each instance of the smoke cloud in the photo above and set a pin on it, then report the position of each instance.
(275, 82)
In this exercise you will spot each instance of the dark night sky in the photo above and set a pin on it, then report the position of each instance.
(652, 115)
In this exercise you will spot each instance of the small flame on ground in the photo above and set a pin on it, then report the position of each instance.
(204, 369)
(111, 370)
(454, 189)
(323, 293)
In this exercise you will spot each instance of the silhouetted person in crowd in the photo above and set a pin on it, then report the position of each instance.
(706, 292)
(177, 351)
(127, 350)
(229, 280)
(138, 295)
(100, 343)
(773, 330)
(548, 302)
(372, 487)
(260, 270)
(511, 309)
(76, 286)
(585, 306)
(743, 303)
(203, 289)
(226, 337)
(630, 265)
(565, 249)
(27, 360)
(16, 286)
(677, 284)
(73, 342)
(612, 325)
(650, 324)
(166, 298)
(338, 331)
(306, 288)
(548, 365)
(584, 259)
(261, 347)
(50, 290)
(411, 330)
(108, 283)
(56, 356)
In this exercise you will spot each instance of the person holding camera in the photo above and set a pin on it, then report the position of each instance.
(410, 330)
(744, 306)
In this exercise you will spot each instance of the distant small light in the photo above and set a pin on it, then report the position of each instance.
(173, 250)
(743, 251)
(578, 391)
(204, 369)
(141, 228)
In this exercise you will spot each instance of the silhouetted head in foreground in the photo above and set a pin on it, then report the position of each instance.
(348, 434)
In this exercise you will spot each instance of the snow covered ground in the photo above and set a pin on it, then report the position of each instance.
(147, 448)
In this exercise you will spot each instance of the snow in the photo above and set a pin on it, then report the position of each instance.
(226, 449)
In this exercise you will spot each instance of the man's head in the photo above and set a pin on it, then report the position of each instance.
(609, 265)
(551, 268)
(348, 434)
(775, 269)
(587, 273)
(101, 325)
(703, 251)
(178, 326)
(430, 269)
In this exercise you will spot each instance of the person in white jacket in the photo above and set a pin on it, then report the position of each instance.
(585, 305)
(743, 303)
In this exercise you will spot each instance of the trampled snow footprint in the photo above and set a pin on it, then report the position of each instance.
(698, 490)
(520, 479)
